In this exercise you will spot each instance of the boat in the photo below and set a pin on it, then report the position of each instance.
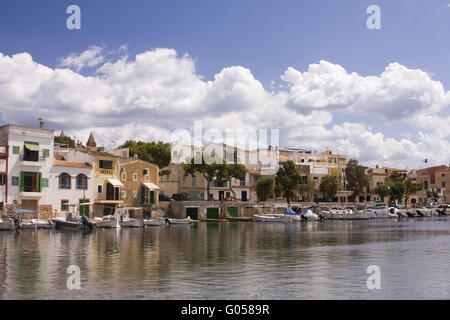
(310, 216)
(64, 224)
(43, 224)
(125, 221)
(28, 225)
(108, 221)
(346, 214)
(269, 218)
(152, 222)
(7, 225)
(188, 220)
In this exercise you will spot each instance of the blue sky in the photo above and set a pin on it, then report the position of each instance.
(266, 37)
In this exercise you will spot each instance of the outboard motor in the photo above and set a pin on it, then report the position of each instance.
(392, 210)
(303, 217)
(17, 223)
(86, 222)
(321, 216)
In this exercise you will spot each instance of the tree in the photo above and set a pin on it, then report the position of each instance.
(307, 189)
(329, 186)
(203, 165)
(396, 186)
(356, 178)
(65, 140)
(411, 188)
(265, 188)
(287, 180)
(382, 190)
(155, 152)
(228, 171)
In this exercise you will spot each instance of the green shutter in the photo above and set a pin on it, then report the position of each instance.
(142, 194)
(40, 182)
(22, 181)
(152, 196)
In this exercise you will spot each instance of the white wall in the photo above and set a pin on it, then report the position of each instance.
(16, 136)
(54, 195)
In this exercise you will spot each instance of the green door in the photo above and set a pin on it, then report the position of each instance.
(212, 213)
(233, 211)
(84, 209)
(152, 196)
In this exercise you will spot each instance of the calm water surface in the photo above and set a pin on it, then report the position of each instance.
(238, 260)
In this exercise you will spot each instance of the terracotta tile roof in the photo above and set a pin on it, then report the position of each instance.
(62, 163)
(253, 171)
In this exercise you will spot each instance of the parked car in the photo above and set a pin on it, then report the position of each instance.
(163, 197)
(179, 197)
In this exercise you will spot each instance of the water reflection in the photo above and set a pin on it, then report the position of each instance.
(236, 260)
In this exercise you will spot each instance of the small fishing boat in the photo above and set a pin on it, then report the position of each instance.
(125, 221)
(310, 216)
(346, 214)
(268, 218)
(108, 221)
(7, 225)
(43, 224)
(152, 222)
(28, 225)
(188, 220)
(64, 224)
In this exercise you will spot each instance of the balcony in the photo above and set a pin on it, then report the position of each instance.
(35, 161)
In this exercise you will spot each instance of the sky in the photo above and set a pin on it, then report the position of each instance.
(142, 69)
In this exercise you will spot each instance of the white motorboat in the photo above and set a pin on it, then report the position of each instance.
(125, 221)
(268, 218)
(188, 220)
(109, 221)
(28, 225)
(346, 214)
(152, 222)
(7, 225)
(311, 216)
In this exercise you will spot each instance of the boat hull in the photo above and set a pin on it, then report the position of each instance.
(7, 226)
(131, 224)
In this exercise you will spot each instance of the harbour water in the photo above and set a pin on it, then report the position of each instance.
(238, 260)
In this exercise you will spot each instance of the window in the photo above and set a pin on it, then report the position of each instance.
(16, 150)
(194, 181)
(134, 194)
(443, 184)
(45, 183)
(2, 178)
(105, 164)
(124, 176)
(45, 153)
(135, 176)
(184, 178)
(31, 151)
(81, 181)
(14, 181)
(64, 205)
(64, 181)
(124, 194)
(443, 175)
(99, 188)
(147, 178)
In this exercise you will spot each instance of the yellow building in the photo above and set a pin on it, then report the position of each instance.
(140, 183)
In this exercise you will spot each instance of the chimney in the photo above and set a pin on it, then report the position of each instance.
(41, 124)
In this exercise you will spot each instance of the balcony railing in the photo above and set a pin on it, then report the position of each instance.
(32, 159)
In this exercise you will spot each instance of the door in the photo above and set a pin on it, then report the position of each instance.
(244, 195)
(192, 213)
(152, 196)
(233, 211)
(212, 213)
(221, 195)
(84, 208)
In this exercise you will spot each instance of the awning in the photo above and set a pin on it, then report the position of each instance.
(15, 210)
(150, 186)
(116, 183)
(32, 146)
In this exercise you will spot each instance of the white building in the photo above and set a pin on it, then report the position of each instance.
(34, 178)
(3, 176)
(70, 185)
(29, 162)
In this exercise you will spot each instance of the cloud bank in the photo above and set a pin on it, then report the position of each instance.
(159, 91)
